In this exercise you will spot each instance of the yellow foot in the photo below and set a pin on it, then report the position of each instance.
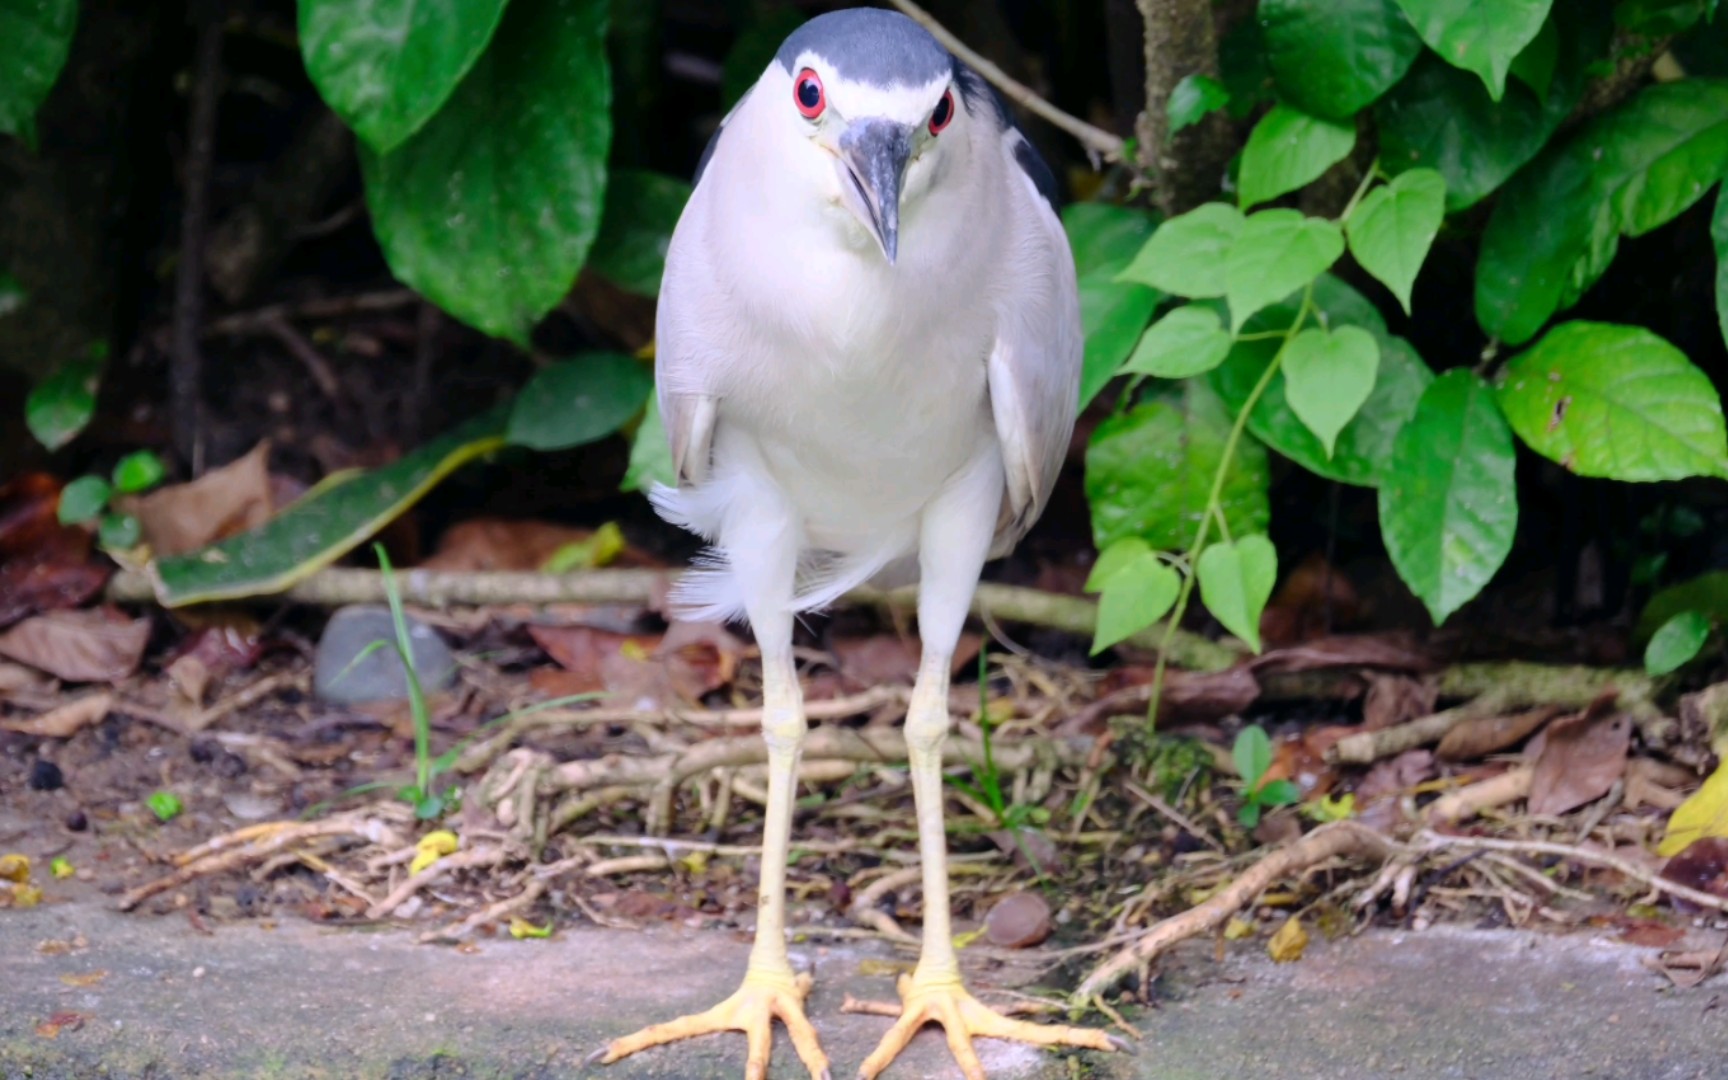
(752, 1010)
(963, 1016)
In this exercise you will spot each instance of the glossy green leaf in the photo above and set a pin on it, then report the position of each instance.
(386, 66)
(1719, 237)
(1616, 402)
(1627, 171)
(83, 499)
(1149, 471)
(1185, 257)
(1113, 559)
(1537, 63)
(579, 401)
(1442, 118)
(1236, 580)
(1105, 239)
(1243, 69)
(35, 37)
(1289, 148)
(1392, 229)
(490, 209)
(1479, 37)
(1449, 503)
(60, 405)
(1334, 57)
(119, 532)
(1676, 642)
(1654, 18)
(1364, 448)
(1138, 594)
(323, 525)
(1188, 341)
(1328, 375)
(138, 471)
(1194, 97)
(1708, 593)
(642, 208)
(12, 294)
(1251, 753)
(1277, 252)
(650, 453)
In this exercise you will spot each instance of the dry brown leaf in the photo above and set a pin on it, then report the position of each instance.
(1480, 736)
(1197, 696)
(60, 1021)
(506, 544)
(17, 677)
(217, 505)
(78, 646)
(879, 659)
(1687, 968)
(1702, 865)
(1388, 652)
(84, 980)
(1581, 758)
(44, 565)
(1656, 783)
(1396, 776)
(699, 657)
(65, 721)
(1314, 599)
(1396, 699)
(1650, 934)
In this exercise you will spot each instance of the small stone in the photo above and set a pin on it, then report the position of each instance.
(249, 807)
(46, 776)
(76, 821)
(1018, 921)
(341, 675)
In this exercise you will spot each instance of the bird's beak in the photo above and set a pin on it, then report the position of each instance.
(873, 156)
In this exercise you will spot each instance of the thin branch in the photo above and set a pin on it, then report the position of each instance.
(186, 366)
(1095, 139)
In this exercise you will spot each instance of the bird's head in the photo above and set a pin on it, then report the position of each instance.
(870, 112)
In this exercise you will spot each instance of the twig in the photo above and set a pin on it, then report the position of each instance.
(1436, 842)
(1096, 140)
(186, 368)
(1370, 746)
(461, 860)
(252, 843)
(324, 307)
(1326, 842)
(1469, 801)
(491, 913)
(310, 358)
(1174, 815)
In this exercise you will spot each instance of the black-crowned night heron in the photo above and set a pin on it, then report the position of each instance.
(868, 358)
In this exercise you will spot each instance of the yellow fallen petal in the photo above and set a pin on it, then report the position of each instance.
(15, 868)
(963, 940)
(1288, 944)
(521, 928)
(443, 841)
(1237, 929)
(61, 867)
(26, 896)
(1703, 815)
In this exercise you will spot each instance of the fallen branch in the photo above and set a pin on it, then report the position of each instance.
(1095, 139)
(1467, 802)
(1326, 842)
(339, 586)
(1431, 841)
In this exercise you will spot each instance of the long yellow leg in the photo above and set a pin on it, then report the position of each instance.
(770, 989)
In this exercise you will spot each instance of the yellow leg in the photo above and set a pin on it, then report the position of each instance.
(934, 993)
(770, 989)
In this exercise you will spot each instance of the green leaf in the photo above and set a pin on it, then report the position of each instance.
(138, 471)
(1616, 402)
(1392, 229)
(83, 499)
(12, 294)
(1328, 375)
(1194, 97)
(1236, 580)
(1113, 559)
(1719, 237)
(1289, 148)
(579, 401)
(1242, 68)
(1333, 57)
(1537, 63)
(1708, 593)
(1627, 171)
(119, 532)
(1364, 448)
(1149, 471)
(1105, 239)
(489, 210)
(1654, 18)
(323, 525)
(1185, 257)
(1442, 118)
(1278, 252)
(1677, 641)
(650, 453)
(1252, 755)
(1479, 37)
(1278, 793)
(1449, 503)
(386, 66)
(165, 805)
(1137, 595)
(37, 35)
(1188, 341)
(642, 208)
(60, 405)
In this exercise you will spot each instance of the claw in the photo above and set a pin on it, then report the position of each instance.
(752, 1009)
(963, 1017)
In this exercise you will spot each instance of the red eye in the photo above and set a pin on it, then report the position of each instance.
(807, 92)
(943, 114)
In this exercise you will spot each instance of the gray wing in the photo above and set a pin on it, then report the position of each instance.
(1034, 369)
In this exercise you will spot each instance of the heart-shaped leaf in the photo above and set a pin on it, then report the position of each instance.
(1333, 57)
(1185, 257)
(1289, 148)
(1391, 231)
(1236, 580)
(1477, 36)
(1136, 595)
(36, 37)
(1188, 341)
(1328, 374)
(1113, 311)
(1278, 252)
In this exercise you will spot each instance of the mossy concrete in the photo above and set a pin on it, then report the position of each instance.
(304, 1001)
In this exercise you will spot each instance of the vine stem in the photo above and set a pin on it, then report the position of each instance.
(1212, 503)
